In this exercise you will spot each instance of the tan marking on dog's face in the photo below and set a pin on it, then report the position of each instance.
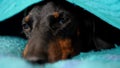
(54, 52)
(27, 18)
(56, 14)
(66, 47)
(25, 50)
(60, 49)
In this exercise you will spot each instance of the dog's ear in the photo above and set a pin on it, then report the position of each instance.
(101, 44)
(92, 38)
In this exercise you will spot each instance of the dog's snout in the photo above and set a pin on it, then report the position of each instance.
(35, 53)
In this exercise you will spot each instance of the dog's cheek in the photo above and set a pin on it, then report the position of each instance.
(66, 48)
(60, 50)
(54, 52)
(25, 51)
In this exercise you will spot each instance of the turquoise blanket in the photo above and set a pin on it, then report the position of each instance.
(11, 47)
(107, 10)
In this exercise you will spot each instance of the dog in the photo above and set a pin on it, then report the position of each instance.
(58, 30)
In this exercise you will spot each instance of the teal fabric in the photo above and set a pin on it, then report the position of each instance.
(11, 46)
(9, 8)
(11, 49)
(11, 57)
(107, 10)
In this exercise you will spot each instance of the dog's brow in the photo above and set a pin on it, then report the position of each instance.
(56, 14)
(26, 19)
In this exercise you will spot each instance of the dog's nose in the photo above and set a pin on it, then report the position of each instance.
(36, 60)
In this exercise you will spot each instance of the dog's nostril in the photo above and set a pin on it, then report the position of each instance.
(37, 60)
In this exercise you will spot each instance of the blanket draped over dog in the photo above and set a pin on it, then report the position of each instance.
(107, 10)
(11, 47)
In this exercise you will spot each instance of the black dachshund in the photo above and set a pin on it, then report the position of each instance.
(59, 30)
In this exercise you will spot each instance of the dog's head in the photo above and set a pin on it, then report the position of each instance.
(51, 31)
(59, 30)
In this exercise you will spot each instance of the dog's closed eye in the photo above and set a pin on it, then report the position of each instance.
(25, 26)
(58, 20)
(63, 18)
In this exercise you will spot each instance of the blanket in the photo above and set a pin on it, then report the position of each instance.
(107, 10)
(11, 52)
(11, 47)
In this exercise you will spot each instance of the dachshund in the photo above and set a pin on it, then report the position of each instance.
(59, 30)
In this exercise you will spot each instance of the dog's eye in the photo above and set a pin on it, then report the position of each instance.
(28, 24)
(25, 26)
(61, 20)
